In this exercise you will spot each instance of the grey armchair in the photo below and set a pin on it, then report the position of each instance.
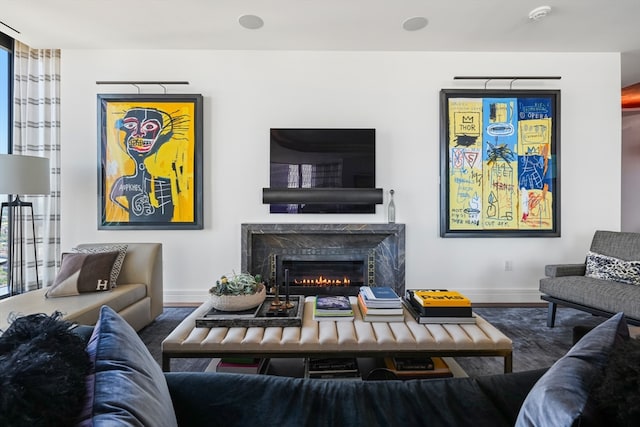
(567, 285)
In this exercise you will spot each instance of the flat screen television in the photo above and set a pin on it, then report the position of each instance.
(322, 158)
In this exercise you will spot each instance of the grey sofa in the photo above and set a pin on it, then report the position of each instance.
(567, 285)
(138, 298)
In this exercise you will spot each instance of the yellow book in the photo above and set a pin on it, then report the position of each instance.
(440, 298)
(440, 370)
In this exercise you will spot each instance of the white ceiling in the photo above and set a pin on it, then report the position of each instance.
(454, 25)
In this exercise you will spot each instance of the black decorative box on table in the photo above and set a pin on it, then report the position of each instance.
(267, 314)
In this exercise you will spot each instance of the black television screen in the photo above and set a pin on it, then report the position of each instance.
(323, 158)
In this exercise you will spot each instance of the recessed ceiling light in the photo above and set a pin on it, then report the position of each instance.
(251, 22)
(539, 13)
(415, 23)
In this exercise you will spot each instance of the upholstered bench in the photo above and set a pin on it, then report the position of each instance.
(328, 338)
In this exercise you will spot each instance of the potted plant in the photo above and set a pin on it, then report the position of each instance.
(237, 292)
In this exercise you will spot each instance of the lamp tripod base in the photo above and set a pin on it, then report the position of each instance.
(16, 260)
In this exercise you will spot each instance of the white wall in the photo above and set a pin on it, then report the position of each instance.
(246, 93)
(630, 170)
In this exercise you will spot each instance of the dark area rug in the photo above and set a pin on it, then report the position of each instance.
(534, 344)
(153, 335)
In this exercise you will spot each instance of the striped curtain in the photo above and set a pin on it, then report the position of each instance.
(36, 132)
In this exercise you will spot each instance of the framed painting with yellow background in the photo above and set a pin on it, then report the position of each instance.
(499, 168)
(150, 161)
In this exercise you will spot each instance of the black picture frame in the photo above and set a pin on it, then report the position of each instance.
(150, 161)
(499, 163)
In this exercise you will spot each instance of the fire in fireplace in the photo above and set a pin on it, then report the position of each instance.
(325, 273)
(336, 274)
(323, 281)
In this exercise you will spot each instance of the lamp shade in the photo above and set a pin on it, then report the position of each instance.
(24, 174)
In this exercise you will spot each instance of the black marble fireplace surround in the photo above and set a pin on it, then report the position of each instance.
(380, 246)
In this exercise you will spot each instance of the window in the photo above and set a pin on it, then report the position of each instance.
(6, 79)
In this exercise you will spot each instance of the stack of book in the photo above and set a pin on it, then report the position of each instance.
(416, 368)
(332, 307)
(438, 306)
(241, 365)
(380, 304)
(334, 368)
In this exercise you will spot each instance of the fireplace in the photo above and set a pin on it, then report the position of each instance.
(325, 258)
(334, 273)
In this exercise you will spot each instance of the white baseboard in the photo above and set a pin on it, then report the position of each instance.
(193, 296)
(502, 296)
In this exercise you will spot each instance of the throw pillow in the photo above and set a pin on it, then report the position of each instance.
(129, 387)
(81, 273)
(606, 267)
(43, 365)
(561, 397)
(117, 265)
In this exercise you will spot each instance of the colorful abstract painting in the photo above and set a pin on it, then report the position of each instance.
(150, 161)
(499, 163)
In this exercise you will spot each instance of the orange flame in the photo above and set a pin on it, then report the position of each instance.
(323, 281)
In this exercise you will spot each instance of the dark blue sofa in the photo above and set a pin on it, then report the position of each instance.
(131, 388)
(227, 400)
(124, 386)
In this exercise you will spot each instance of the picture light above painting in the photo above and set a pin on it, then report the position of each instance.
(499, 168)
(322, 171)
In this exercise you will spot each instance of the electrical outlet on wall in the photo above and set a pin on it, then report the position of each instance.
(508, 265)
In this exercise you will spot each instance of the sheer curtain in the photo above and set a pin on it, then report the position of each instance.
(36, 132)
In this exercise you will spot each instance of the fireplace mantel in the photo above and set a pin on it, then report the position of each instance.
(387, 241)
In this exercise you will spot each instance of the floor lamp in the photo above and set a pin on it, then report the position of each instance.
(20, 175)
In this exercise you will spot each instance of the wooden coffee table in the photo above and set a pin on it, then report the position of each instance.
(328, 338)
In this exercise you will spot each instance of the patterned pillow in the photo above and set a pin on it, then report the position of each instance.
(117, 265)
(609, 268)
(82, 273)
